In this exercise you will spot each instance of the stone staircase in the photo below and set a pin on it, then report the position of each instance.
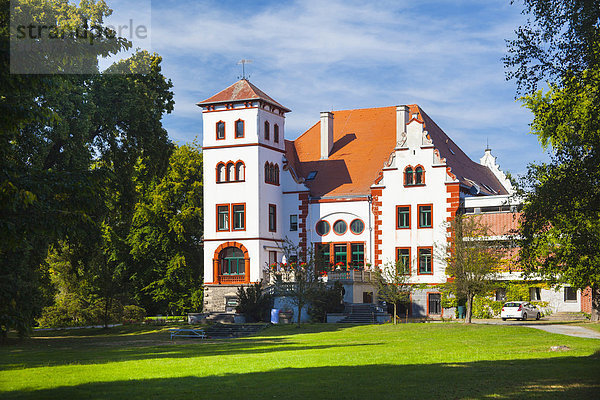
(226, 331)
(360, 314)
(566, 316)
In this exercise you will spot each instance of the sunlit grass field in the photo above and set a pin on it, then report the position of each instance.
(443, 360)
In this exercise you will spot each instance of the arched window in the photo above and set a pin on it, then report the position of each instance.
(419, 176)
(240, 173)
(276, 133)
(267, 130)
(231, 261)
(230, 172)
(408, 176)
(221, 172)
(276, 174)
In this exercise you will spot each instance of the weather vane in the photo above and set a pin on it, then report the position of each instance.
(243, 61)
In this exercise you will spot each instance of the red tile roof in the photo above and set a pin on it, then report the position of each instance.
(363, 141)
(242, 90)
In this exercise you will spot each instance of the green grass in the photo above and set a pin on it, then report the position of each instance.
(314, 361)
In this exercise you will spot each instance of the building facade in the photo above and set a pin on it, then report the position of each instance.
(360, 188)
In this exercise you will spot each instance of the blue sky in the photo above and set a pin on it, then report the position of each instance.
(314, 56)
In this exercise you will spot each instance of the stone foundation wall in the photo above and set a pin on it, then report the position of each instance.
(215, 296)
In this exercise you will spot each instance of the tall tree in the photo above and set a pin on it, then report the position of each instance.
(166, 236)
(68, 149)
(471, 261)
(561, 43)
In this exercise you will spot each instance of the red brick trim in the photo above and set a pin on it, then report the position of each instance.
(303, 208)
(216, 276)
(376, 210)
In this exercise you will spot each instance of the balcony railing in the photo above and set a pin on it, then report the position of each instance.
(232, 278)
(352, 275)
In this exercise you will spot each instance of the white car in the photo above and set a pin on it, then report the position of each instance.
(519, 310)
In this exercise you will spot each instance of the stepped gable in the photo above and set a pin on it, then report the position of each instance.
(363, 140)
(242, 90)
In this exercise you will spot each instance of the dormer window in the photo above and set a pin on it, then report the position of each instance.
(267, 135)
(220, 130)
(311, 175)
(239, 129)
(276, 133)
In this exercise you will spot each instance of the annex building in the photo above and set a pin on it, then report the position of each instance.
(360, 188)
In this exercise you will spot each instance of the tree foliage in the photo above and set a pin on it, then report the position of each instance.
(560, 39)
(471, 261)
(392, 285)
(165, 239)
(69, 145)
(561, 43)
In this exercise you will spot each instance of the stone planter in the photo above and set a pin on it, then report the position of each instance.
(239, 319)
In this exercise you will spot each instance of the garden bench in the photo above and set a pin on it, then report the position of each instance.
(193, 333)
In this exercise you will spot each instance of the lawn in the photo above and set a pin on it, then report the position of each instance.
(444, 360)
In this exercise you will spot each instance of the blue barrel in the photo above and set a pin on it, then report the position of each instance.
(275, 315)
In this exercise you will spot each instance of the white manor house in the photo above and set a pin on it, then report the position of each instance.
(361, 188)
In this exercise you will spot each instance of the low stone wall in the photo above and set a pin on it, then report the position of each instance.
(215, 296)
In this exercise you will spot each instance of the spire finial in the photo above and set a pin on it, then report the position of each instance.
(487, 144)
(243, 61)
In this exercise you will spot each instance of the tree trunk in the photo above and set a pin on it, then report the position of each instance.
(395, 313)
(299, 314)
(469, 308)
(595, 317)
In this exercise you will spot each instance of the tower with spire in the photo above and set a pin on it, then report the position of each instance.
(243, 152)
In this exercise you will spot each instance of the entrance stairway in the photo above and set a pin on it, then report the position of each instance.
(226, 331)
(360, 314)
(566, 316)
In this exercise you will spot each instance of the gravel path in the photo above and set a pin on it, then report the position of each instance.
(568, 330)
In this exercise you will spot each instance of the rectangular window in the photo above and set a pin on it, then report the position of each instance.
(272, 218)
(403, 260)
(223, 217)
(434, 304)
(322, 256)
(425, 218)
(535, 294)
(570, 294)
(239, 128)
(340, 253)
(293, 221)
(272, 257)
(402, 217)
(239, 217)
(220, 130)
(358, 254)
(425, 262)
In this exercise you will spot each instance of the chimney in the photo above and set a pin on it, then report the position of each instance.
(326, 134)
(401, 121)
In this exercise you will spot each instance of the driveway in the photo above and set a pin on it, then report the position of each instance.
(568, 330)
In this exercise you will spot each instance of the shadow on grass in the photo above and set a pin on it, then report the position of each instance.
(566, 377)
(18, 358)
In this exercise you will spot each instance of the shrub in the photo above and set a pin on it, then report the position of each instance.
(254, 303)
(326, 300)
(133, 313)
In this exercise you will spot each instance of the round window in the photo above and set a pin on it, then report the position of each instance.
(340, 227)
(357, 226)
(322, 228)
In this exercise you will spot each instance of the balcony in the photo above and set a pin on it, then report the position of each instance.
(231, 279)
(351, 275)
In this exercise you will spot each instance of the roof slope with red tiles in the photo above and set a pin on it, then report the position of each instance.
(242, 90)
(363, 141)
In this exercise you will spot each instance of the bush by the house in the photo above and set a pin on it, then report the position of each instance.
(326, 300)
(254, 303)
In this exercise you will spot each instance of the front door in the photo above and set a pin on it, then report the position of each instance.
(367, 297)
